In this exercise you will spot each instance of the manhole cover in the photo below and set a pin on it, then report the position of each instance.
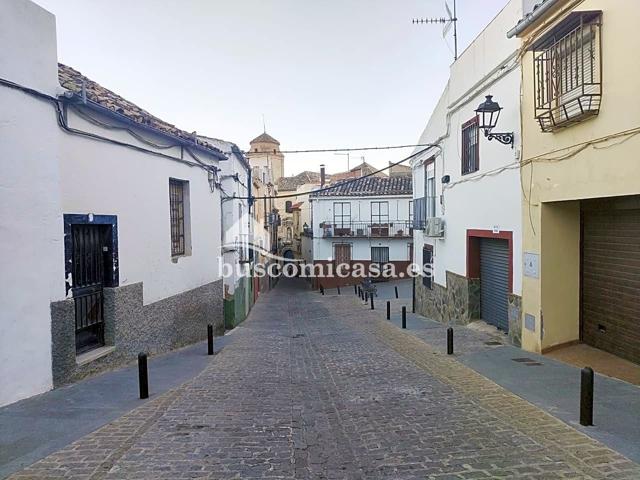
(298, 335)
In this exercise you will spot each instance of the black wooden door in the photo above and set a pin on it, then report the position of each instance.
(89, 247)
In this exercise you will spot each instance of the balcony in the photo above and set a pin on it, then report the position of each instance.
(567, 72)
(391, 229)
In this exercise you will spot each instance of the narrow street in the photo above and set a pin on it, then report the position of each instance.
(322, 387)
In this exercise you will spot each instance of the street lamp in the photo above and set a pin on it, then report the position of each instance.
(489, 112)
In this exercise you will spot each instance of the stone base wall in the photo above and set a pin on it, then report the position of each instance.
(515, 319)
(132, 327)
(458, 303)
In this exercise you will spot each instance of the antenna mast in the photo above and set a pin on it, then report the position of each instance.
(447, 22)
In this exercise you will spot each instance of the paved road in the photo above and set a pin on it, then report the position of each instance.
(322, 387)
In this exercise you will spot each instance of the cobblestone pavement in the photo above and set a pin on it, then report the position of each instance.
(322, 387)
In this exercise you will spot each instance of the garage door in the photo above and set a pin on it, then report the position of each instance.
(494, 281)
(611, 281)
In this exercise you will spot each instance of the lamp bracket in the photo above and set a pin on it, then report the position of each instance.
(504, 138)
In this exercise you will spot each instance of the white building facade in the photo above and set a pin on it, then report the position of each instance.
(367, 221)
(111, 219)
(467, 190)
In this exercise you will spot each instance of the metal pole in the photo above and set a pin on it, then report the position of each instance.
(321, 289)
(339, 290)
(210, 339)
(372, 307)
(586, 396)
(449, 341)
(396, 288)
(355, 289)
(143, 375)
(388, 309)
(404, 317)
(366, 297)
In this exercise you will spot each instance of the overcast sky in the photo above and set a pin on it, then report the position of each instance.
(329, 73)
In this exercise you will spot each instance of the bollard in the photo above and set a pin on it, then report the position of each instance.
(586, 397)
(339, 290)
(404, 317)
(372, 307)
(388, 310)
(360, 292)
(396, 291)
(210, 339)
(366, 297)
(355, 289)
(321, 289)
(449, 341)
(143, 375)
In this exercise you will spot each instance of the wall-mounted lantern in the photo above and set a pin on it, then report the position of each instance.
(489, 112)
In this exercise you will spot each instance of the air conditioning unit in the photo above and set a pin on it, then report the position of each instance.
(434, 227)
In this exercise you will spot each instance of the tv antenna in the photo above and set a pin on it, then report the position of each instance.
(448, 22)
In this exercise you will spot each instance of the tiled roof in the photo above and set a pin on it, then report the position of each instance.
(73, 80)
(369, 187)
(531, 13)
(358, 171)
(292, 183)
(264, 138)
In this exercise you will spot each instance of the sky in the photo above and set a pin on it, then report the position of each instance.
(322, 74)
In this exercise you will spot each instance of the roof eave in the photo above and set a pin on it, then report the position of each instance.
(76, 99)
(531, 19)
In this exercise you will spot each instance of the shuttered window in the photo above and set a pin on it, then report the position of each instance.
(470, 144)
(380, 255)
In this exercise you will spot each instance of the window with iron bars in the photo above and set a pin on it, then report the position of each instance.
(567, 72)
(177, 209)
(470, 144)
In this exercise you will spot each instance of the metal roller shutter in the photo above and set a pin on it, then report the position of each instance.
(494, 282)
(610, 316)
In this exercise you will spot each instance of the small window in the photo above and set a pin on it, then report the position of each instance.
(427, 266)
(380, 255)
(470, 143)
(179, 208)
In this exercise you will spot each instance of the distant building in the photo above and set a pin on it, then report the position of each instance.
(367, 220)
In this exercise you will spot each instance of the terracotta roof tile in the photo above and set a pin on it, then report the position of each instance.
(73, 80)
(369, 187)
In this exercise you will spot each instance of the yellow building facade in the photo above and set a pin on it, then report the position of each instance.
(580, 175)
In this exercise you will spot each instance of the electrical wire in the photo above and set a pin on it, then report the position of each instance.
(349, 149)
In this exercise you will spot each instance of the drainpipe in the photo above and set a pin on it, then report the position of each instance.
(322, 176)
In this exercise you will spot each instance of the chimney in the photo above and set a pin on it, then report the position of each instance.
(322, 176)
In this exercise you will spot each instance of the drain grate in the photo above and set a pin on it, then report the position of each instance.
(529, 362)
(493, 342)
(298, 335)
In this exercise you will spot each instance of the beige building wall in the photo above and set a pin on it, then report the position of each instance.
(595, 158)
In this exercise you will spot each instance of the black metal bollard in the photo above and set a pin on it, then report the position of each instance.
(360, 292)
(366, 297)
(449, 341)
(321, 289)
(404, 317)
(372, 307)
(143, 375)
(586, 396)
(339, 290)
(355, 289)
(396, 288)
(388, 310)
(210, 339)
